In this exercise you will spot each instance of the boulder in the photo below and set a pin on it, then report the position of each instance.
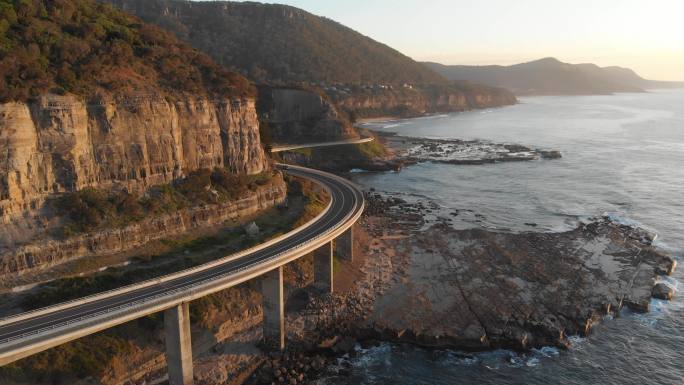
(663, 291)
(553, 154)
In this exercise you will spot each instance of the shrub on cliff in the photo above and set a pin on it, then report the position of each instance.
(76, 359)
(90, 209)
(84, 46)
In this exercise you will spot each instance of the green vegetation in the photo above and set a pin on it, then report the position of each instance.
(181, 254)
(85, 47)
(90, 209)
(278, 44)
(370, 150)
(77, 359)
(356, 152)
(316, 198)
(231, 301)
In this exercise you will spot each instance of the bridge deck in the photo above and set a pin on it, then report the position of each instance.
(29, 333)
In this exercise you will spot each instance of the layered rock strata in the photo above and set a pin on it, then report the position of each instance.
(298, 116)
(43, 254)
(413, 102)
(60, 144)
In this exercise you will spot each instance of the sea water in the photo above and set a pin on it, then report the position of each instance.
(623, 156)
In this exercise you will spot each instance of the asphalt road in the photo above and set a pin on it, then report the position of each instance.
(346, 200)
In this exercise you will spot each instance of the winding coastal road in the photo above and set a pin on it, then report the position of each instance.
(28, 333)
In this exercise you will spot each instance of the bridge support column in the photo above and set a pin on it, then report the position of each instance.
(178, 345)
(274, 308)
(323, 267)
(344, 245)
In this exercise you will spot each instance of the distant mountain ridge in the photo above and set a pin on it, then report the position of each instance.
(549, 76)
(280, 44)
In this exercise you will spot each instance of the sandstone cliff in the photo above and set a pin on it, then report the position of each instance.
(291, 115)
(62, 143)
(295, 115)
(407, 102)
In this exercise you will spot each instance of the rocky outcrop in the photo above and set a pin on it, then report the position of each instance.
(663, 291)
(409, 150)
(61, 144)
(47, 253)
(296, 116)
(479, 289)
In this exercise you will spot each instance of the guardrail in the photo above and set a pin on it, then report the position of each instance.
(158, 280)
(169, 293)
(187, 290)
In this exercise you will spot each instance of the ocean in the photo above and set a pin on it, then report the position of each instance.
(623, 156)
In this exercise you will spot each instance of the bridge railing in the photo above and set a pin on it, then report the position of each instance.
(158, 280)
(187, 290)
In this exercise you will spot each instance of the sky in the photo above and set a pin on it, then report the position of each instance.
(644, 35)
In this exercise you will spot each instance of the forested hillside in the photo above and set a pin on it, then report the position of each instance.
(550, 76)
(279, 44)
(82, 46)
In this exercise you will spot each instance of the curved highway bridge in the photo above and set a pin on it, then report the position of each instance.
(28, 333)
(290, 147)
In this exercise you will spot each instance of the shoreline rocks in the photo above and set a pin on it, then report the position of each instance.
(663, 291)
(463, 152)
(478, 290)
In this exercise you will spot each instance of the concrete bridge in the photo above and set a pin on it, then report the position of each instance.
(289, 147)
(29, 333)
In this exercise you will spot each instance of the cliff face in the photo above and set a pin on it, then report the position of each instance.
(299, 116)
(411, 102)
(61, 144)
(295, 115)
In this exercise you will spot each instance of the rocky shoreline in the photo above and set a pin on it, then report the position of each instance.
(406, 151)
(418, 279)
(463, 152)
(422, 282)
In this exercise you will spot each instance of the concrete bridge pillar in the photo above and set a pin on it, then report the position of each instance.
(345, 245)
(323, 267)
(178, 345)
(274, 308)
